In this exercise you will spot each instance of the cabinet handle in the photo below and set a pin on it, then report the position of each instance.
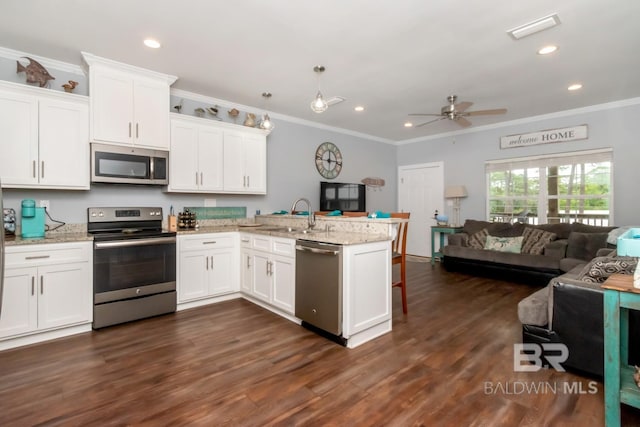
(37, 257)
(196, 178)
(248, 261)
(212, 242)
(129, 129)
(42, 170)
(137, 130)
(34, 168)
(248, 181)
(201, 179)
(207, 263)
(245, 240)
(41, 285)
(212, 262)
(244, 180)
(33, 285)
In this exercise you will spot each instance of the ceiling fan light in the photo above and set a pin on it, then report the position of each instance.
(408, 124)
(319, 105)
(575, 86)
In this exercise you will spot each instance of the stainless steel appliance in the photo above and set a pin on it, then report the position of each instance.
(134, 265)
(1, 254)
(129, 165)
(319, 288)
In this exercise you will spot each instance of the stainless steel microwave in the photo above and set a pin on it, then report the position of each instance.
(129, 165)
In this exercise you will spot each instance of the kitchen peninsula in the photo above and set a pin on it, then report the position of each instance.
(254, 259)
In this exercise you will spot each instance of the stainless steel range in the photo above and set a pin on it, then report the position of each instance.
(134, 265)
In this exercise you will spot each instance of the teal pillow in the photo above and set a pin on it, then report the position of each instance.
(504, 244)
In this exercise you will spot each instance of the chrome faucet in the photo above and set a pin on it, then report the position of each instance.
(311, 218)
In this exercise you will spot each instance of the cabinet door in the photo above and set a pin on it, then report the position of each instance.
(19, 139)
(246, 276)
(221, 270)
(284, 279)
(183, 161)
(111, 107)
(64, 144)
(19, 303)
(193, 281)
(151, 114)
(234, 177)
(210, 158)
(64, 295)
(261, 278)
(255, 161)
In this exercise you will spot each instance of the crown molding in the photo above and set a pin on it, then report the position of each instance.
(274, 116)
(532, 119)
(46, 62)
(92, 60)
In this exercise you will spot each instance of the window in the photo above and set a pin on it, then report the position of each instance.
(565, 187)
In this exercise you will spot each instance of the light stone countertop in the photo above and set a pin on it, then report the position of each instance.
(49, 238)
(335, 230)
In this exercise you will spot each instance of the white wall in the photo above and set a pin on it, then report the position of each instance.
(614, 125)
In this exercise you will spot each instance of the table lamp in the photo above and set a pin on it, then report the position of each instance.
(455, 192)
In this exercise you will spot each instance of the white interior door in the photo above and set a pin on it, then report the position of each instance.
(421, 192)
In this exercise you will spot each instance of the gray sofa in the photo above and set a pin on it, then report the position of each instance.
(569, 310)
(567, 246)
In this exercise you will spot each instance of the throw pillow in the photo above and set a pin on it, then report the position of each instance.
(504, 244)
(535, 239)
(600, 269)
(472, 226)
(585, 245)
(477, 240)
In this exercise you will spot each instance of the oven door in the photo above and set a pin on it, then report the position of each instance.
(132, 268)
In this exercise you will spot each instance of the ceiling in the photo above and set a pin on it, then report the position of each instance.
(393, 58)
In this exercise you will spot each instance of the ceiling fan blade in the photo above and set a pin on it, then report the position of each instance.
(486, 112)
(426, 123)
(462, 121)
(463, 106)
(424, 114)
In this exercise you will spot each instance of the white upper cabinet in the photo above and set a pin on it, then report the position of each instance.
(196, 160)
(43, 132)
(245, 161)
(214, 157)
(129, 105)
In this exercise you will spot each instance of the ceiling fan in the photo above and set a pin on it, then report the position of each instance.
(458, 112)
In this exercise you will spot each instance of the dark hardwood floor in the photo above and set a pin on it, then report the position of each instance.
(448, 362)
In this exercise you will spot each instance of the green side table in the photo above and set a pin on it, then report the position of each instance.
(442, 229)
(619, 387)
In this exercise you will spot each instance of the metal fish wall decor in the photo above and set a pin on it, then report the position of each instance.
(35, 72)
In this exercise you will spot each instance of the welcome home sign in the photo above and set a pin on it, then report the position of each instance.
(544, 137)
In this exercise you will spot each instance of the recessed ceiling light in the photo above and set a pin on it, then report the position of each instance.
(153, 44)
(359, 108)
(408, 124)
(547, 50)
(575, 86)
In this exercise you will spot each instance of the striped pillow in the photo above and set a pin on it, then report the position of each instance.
(477, 240)
(535, 239)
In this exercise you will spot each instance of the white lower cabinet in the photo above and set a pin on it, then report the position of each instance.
(268, 270)
(46, 287)
(207, 266)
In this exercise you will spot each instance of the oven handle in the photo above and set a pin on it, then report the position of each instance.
(134, 242)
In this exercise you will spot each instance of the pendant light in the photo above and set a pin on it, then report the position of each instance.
(266, 122)
(319, 105)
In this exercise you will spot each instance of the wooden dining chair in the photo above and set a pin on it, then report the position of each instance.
(399, 256)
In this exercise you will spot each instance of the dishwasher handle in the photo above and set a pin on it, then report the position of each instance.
(317, 250)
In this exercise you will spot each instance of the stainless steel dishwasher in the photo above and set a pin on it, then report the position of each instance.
(319, 288)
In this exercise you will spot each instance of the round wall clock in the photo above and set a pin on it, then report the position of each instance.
(328, 160)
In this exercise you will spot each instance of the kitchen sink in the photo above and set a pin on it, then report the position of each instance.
(291, 230)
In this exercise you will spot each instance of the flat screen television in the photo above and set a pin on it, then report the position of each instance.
(342, 196)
